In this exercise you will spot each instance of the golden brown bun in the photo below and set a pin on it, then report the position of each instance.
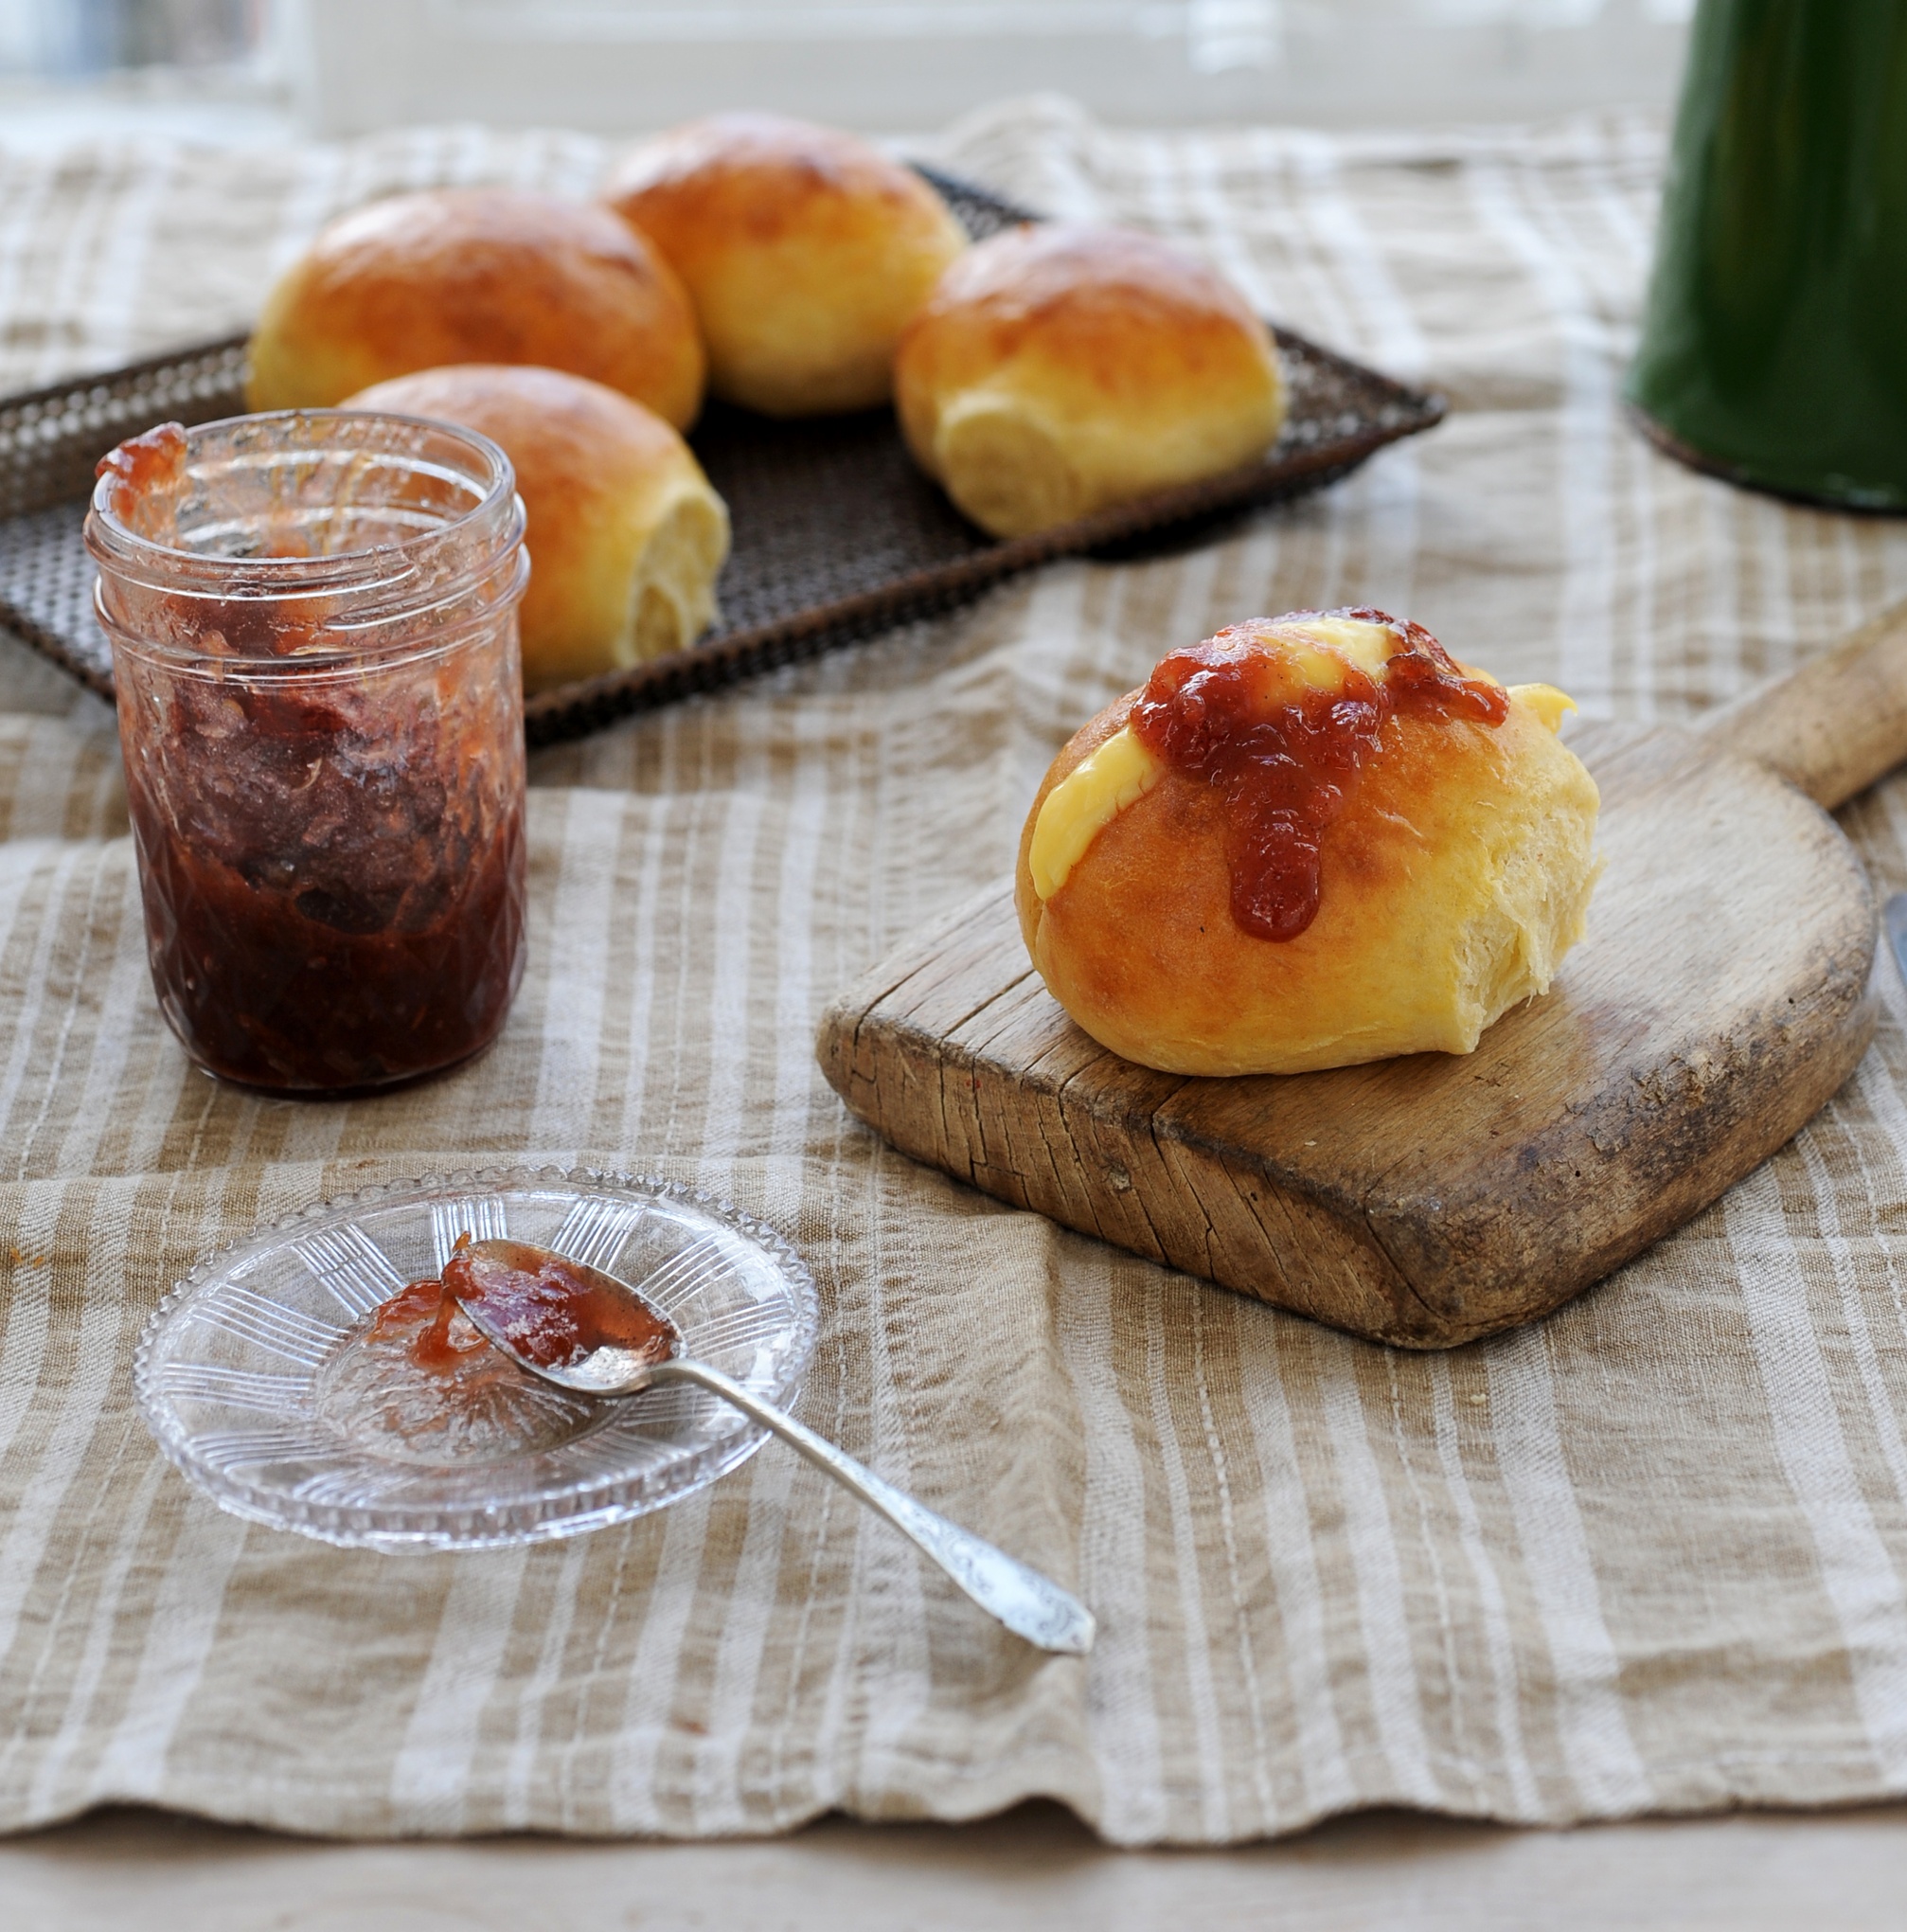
(805, 251)
(1455, 877)
(1059, 369)
(626, 538)
(477, 275)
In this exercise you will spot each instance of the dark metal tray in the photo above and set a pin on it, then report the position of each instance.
(837, 534)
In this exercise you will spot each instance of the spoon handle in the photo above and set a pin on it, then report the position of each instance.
(1022, 1598)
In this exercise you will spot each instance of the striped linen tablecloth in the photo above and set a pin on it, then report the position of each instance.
(1648, 1556)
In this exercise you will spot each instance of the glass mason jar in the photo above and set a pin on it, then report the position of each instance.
(314, 625)
(1773, 349)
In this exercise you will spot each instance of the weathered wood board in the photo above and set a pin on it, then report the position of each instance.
(1720, 998)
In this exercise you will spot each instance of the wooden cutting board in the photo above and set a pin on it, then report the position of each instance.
(1720, 998)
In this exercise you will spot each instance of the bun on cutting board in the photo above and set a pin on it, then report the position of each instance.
(625, 537)
(804, 251)
(478, 275)
(1393, 887)
(1060, 369)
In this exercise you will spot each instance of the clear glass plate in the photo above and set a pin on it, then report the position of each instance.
(259, 1377)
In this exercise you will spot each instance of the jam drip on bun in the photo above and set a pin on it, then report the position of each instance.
(1311, 841)
(1284, 738)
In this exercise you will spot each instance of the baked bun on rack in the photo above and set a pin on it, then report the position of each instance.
(1306, 842)
(806, 252)
(625, 537)
(480, 274)
(1059, 369)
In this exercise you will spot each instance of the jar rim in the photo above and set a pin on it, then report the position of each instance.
(342, 659)
(116, 546)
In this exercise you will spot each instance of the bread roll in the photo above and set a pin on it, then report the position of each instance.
(626, 538)
(478, 275)
(1304, 843)
(806, 252)
(1059, 369)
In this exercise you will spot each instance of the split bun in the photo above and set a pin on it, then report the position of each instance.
(625, 535)
(1059, 369)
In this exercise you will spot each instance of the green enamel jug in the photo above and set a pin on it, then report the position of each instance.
(1774, 341)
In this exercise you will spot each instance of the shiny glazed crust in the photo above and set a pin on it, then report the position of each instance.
(806, 252)
(625, 535)
(1457, 874)
(478, 275)
(1061, 368)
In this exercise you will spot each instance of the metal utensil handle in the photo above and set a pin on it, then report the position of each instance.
(1027, 1603)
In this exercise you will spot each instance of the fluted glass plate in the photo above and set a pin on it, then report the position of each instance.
(258, 1377)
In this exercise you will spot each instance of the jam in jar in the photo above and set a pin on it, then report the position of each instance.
(314, 647)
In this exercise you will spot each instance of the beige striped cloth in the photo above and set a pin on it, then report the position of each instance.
(1651, 1555)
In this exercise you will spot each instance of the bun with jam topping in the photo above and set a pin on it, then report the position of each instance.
(1306, 842)
(625, 536)
(477, 275)
(805, 250)
(1061, 368)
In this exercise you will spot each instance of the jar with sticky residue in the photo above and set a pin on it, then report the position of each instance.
(312, 617)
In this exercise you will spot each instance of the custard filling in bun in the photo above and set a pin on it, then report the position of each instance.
(1084, 802)
(1307, 843)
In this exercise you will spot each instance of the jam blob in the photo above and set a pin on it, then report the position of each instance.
(419, 1384)
(1285, 749)
(141, 469)
(555, 1312)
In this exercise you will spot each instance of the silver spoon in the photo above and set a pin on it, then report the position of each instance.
(1027, 1603)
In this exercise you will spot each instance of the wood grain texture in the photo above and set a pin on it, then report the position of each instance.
(1720, 998)
(1834, 726)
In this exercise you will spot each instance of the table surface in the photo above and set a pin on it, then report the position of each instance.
(1393, 1870)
